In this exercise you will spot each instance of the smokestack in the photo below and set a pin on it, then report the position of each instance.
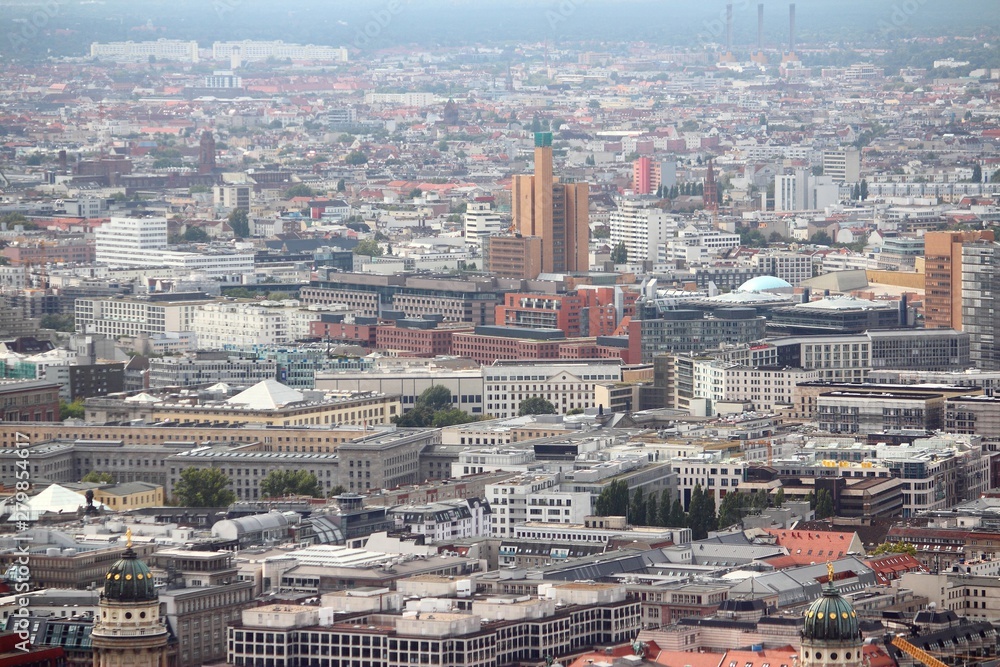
(791, 28)
(729, 28)
(760, 28)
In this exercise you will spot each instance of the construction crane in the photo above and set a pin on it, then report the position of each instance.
(916, 653)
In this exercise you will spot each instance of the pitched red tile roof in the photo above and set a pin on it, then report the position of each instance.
(891, 566)
(811, 546)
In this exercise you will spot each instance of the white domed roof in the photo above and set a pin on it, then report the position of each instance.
(764, 284)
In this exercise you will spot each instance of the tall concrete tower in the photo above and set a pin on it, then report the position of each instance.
(758, 56)
(728, 56)
(791, 56)
(128, 630)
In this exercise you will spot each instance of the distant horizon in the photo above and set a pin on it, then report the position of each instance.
(64, 29)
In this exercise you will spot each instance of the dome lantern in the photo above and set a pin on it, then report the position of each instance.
(831, 617)
(129, 579)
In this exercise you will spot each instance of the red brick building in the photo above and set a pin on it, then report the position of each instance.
(489, 344)
(419, 339)
(29, 401)
(360, 332)
(588, 311)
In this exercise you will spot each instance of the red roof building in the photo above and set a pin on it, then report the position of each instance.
(893, 566)
(807, 547)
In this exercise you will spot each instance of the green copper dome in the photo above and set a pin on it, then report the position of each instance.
(129, 580)
(832, 618)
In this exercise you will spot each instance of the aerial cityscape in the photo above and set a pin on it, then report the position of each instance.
(527, 333)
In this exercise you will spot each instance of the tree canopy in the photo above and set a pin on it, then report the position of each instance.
(701, 513)
(824, 504)
(434, 407)
(195, 235)
(94, 477)
(899, 547)
(299, 190)
(619, 254)
(368, 247)
(356, 158)
(536, 405)
(203, 487)
(280, 483)
(239, 222)
(72, 410)
(613, 499)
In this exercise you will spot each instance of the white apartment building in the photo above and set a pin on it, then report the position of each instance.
(599, 530)
(769, 152)
(789, 192)
(713, 474)
(695, 246)
(643, 228)
(533, 497)
(230, 196)
(262, 50)
(465, 385)
(481, 221)
(402, 99)
(116, 317)
(444, 520)
(791, 267)
(161, 49)
(766, 388)
(568, 385)
(218, 325)
(839, 359)
(801, 191)
(142, 243)
(475, 461)
(214, 264)
(130, 241)
(842, 165)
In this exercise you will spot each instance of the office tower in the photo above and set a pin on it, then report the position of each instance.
(980, 301)
(130, 241)
(557, 213)
(649, 174)
(842, 165)
(642, 176)
(642, 227)
(943, 276)
(481, 221)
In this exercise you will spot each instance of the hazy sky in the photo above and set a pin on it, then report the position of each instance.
(454, 22)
